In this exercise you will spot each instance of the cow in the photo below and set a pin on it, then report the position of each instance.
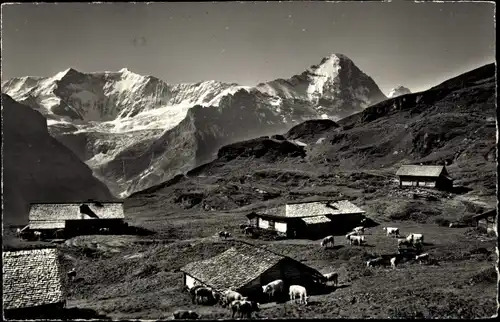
(404, 242)
(374, 262)
(357, 240)
(104, 230)
(229, 296)
(203, 293)
(359, 229)
(245, 308)
(273, 288)
(248, 230)
(297, 291)
(328, 240)
(224, 234)
(415, 237)
(243, 226)
(391, 231)
(422, 257)
(185, 315)
(352, 233)
(192, 292)
(333, 277)
(38, 235)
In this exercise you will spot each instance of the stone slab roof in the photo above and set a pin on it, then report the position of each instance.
(235, 267)
(433, 171)
(319, 208)
(316, 220)
(31, 278)
(51, 215)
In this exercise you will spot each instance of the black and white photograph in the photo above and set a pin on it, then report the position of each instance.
(249, 160)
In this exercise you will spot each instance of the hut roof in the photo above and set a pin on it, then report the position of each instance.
(235, 267)
(31, 278)
(313, 208)
(54, 215)
(487, 214)
(433, 171)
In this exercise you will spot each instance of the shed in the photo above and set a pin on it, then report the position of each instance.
(487, 220)
(309, 219)
(77, 217)
(246, 268)
(432, 176)
(32, 283)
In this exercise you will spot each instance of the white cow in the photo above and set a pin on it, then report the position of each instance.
(334, 277)
(374, 262)
(228, 296)
(415, 238)
(328, 240)
(352, 233)
(297, 291)
(391, 231)
(422, 257)
(359, 240)
(274, 287)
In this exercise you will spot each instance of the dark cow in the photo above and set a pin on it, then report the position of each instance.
(192, 292)
(248, 230)
(72, 274)
(204, 295)
(247, 307)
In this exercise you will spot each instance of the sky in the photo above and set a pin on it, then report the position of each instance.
(417, 45)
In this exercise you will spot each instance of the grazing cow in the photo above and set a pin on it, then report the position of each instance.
(422, 257)
(394, 262)
(357, 240)
(374, 262)
(333, 277)
(72, 274)
(243, 226)
(185, 315)
(229, 296)
(359, 229)
(328, 240)
(297, 291)
(273, 288)
(245, 308)
(224, 234)
(391, 231)
(415, 237)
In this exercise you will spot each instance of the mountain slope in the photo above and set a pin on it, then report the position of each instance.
(37, 168)
(356, 158)
(136, 131)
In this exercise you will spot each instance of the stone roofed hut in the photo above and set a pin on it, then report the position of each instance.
(314, 219)
(32, 283)
(246, 268)
(432, 176)
(77, 217)
(487, 220)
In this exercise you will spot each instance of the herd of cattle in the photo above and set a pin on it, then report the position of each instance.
(241, 306)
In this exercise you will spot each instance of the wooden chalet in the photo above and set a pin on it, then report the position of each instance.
(487, 220)
(313, 219)
(32, 283)
(75, 218)
(246, 268)
(430, 176)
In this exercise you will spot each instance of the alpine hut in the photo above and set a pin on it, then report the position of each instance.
(245, 268)
(75, 218)
(312, 219)
(433, 176)
(487, 220)
(32, 283)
